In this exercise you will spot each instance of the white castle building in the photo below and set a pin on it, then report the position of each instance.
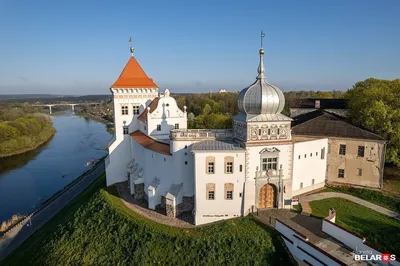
(214, 173)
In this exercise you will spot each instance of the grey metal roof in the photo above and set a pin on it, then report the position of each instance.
(261, 97)
(174, 189)
(261, 117)
(216, 145)
(320, 123)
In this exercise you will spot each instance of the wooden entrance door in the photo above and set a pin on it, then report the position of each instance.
(266, 197)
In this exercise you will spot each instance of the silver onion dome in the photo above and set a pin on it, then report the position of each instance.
(261, 97)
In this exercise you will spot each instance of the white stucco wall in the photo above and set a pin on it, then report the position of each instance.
(167, 114)
(308, 165)
(207, 211)
(120, 149)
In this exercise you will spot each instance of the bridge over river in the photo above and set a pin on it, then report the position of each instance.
(49, 105)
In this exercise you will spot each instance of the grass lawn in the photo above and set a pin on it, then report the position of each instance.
(379, 230)
(97, 229)
(382, 199)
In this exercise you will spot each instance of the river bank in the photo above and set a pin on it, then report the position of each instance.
(23, 144)
(29, 179)
(109, 125)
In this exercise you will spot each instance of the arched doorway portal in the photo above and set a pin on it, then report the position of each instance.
(267, 196)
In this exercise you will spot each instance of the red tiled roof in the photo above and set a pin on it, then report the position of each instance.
(153, 106)
(150, 143)
(133, 76)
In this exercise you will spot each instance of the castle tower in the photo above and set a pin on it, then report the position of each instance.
(132, 92)
(266, 134)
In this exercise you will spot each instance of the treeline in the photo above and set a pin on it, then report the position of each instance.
(22, 129)
(215, 110)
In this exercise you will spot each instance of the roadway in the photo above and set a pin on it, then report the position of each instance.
(45, 214)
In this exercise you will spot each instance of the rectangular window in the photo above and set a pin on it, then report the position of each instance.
(136, 109)
(341, 173)
(323, 153)
(125, 130)
(124, 109)
(361, 150)
(210, 169)
(211, 195)
(313, 181)
(229, 195)
(269, 164)
(359, 171)
(229, 167)
(301, 185)
(158, 127)
(240, 168)
(176, 126)
(342, 149)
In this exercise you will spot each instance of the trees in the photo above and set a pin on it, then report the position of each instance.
(375, 105)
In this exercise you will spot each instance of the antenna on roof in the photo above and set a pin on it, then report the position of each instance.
(130, 40)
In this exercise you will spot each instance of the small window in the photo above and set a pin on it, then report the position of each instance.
(229, 195)
(185, 146)
(313, 181)
(269, 164)
(124, 109)
(241, 168)
(342, 149)
(361, 150)
(185, 153)
(158, 127)
(259, 131)
(176, 126)
(310, 154)
(185, 162)
(323, 153)
(165, 159)
(210, 169)
(299, 157)
(341, 173)
(167, 104)
(316, 154)
(125, 130)
(305, 155)
(136, 109)
(211, 195)
(301, 185)
(359, 171)
(240, 195)
(229, 167)
(269, 131)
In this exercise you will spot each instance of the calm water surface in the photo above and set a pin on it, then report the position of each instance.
(29, 179)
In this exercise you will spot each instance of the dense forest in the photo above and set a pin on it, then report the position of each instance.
(22, 128)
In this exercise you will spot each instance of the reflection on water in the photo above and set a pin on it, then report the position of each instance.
(28, 179)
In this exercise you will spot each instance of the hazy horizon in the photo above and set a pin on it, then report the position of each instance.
(80, 48)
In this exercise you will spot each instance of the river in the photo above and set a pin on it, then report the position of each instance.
(27, 180)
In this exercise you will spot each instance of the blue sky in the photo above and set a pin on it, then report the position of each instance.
(80, 47)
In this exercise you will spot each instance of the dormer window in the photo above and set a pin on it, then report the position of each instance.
(158, 127)
(124, 109)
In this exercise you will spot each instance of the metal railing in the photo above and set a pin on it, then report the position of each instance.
(182, 134)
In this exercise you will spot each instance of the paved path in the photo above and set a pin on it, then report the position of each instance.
(325, 195)
(52, 209)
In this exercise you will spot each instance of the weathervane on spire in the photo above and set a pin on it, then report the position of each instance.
(262, 36)
(130, 40)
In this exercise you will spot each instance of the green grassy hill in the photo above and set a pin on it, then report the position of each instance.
(97, 229)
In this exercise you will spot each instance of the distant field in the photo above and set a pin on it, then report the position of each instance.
(97, 229)
(379, 230)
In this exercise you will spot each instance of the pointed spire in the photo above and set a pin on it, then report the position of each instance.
(261, 65)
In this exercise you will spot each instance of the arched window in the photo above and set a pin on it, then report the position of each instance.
(210, 165)
(210, 191)
(228, 161)
(228, 191)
